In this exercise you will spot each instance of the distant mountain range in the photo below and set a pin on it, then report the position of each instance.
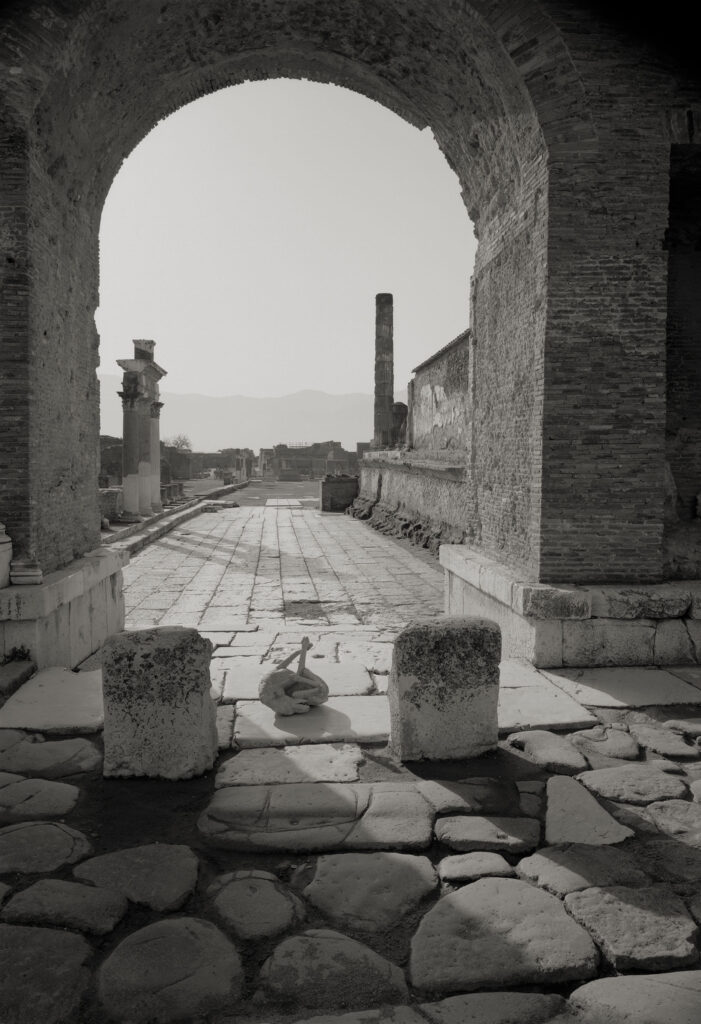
(237, 421)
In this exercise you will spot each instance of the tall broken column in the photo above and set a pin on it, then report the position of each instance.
(384, 370)
(141, 454)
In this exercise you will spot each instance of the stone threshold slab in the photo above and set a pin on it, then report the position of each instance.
(56, 700)
(341, 719)
(624, 687)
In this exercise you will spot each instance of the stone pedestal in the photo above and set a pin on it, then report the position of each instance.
(443, 689)
(159, 716)
(68, 614)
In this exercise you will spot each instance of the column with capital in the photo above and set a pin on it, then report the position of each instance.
(145, 456)
(131, 396)
(156, 456)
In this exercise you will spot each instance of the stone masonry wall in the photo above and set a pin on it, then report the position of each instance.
(440, 405)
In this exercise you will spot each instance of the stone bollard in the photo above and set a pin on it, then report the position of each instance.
(160, 719)
(443, 689)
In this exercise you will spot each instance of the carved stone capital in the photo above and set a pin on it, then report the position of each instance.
(156, 410)
(131, 392)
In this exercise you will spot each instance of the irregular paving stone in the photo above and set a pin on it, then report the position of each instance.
(549, 750)
(10, 738)
(669, 861)
(318, 762)
(642, 999)
(680, 819)
(496, 1008)
(466, 867)
(5, 891)
(694, 907)
(35, 799)
(634, 784)
(322, 968)
(384, 1015)
(57, 700)
(637, 929)
(370, 891)
(472, 796)
(688, 726)
(631, 816)
(54, 759)
(607, 741)
(496, 933)
(43, 974)
(695, 788)
(37, 846)
(178, 969)
(68, 905)
(574, 816)
(663, 741)
(307, 816)
(473, 832)
(575, 866)
(158, 875)
(255, 904)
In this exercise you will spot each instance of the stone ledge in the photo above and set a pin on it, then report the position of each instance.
(19, 603)
(656, 601)
(436, 463)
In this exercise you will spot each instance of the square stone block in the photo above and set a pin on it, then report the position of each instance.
(160, 720)
(443, 689)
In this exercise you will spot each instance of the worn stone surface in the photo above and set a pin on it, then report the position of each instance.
(499, 933)
(44, 974)
(680, 819)
(669, 861)
(308, 816)
(178, 969)
(637, 929)
(663, 741)
(624, 687)
(549, 750)
(319, 762)
(51, 901)
(575, 866)
(634, 784)
(56, 700)
(370, 891)
(443, 689)
(54, 759)
(385, 1015)
(31, 799)
(5, 891)
(472, 796)
(322, 968)
(496, 1008)
(157, 875)
(574, 816)
(255, 905)
(543, 705)
(466, 867)
(160, 720)
(642, 998)
(474, 832)
(34, 847)
(690, 727)
(341, 719)
(607, 742)
(225, 726)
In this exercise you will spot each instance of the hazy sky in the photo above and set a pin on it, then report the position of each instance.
(248, 234)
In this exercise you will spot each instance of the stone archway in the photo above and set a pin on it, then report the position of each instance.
(552, 125)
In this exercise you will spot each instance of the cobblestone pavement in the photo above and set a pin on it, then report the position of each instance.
(312, 877)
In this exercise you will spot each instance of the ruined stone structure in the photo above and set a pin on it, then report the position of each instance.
(141, 445)
(384, 371)
(574, 137)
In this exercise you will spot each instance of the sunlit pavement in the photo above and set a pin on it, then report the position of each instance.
(555, 879)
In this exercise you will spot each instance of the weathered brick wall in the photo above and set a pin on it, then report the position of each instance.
(557, 126)
(441, 412)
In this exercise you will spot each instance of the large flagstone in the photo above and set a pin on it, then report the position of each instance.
(341, 719)
(669, 998)
(57, 700)
(499, 933)
(34, 847)
(574, 816)
(540, 705)
(43, 974)
(318, 816)
(313, 762)
(623, 687)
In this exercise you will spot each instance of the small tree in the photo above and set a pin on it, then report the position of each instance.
(181, 442)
